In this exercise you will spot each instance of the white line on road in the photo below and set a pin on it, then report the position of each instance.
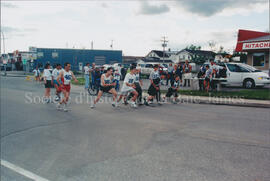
(22, 171)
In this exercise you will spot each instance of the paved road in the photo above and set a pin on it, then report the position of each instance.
(188, 142)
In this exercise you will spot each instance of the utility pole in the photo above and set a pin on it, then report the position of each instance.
(112, 44)
(4, 47)
(164, 45)
(92, 45)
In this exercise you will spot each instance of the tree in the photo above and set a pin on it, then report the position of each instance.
(193, 47)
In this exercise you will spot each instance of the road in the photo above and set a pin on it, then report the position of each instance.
(189, 142)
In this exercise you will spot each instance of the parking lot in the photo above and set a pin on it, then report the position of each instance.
(168, 142)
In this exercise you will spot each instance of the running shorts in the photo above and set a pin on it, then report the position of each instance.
(106, 89)
(48, 84)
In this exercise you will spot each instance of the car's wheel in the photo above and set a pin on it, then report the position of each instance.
(249, 83)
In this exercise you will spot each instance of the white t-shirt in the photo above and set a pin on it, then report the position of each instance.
(128, 79)
(86, 70)
(36, 72)
(117, 73)
(47, 74)
(67, 76)
(55, 73)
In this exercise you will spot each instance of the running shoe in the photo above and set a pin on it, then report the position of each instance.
(114, 104)
(133, 104)
(58, 106)
(92, 106)
(65, 108)
(145, 102)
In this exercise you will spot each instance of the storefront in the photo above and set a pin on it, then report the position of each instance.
(257, 46)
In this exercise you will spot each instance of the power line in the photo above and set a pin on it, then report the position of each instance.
(164, 45)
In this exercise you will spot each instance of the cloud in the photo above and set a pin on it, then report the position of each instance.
(148, 9)
(104, 5)
(12, 31)
(211, 7)
(8, 5)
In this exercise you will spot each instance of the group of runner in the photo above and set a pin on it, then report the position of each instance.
(59, 79)
(130, 93)
(131, 90)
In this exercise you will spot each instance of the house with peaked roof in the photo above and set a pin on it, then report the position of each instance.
(196, 56)
(158, 54)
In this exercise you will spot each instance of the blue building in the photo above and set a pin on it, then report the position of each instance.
(76, 57)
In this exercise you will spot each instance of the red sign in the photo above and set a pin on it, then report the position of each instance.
(256, 45)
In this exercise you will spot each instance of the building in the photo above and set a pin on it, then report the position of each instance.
(257, 46)
(76, 57)
(127, 60)
(152, 60)
(197, 56)
(158, 54)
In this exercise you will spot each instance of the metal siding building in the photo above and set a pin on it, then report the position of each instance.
(77, 57)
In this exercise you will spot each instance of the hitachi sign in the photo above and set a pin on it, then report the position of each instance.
(256, 45)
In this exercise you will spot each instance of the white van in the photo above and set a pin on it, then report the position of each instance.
(239, 74)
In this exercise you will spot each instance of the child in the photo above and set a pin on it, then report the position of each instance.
(173, 90)
(207, 78)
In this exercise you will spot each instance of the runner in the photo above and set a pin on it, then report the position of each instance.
(37, 74)
(107, 86)
(129, 86)
(154, 88)
(48, 81)
(173, 90)
(65, 76)
(138, 84)
(55, 74)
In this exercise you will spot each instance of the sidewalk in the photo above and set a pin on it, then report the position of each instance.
(187, 99)
(16, 73)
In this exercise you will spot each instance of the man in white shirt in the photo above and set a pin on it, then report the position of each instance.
(129, 86)
(86, 75)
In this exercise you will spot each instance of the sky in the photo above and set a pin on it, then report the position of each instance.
(134, 26)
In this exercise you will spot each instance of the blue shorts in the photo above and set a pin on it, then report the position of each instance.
(55, 82)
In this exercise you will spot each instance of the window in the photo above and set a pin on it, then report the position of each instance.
(232, 67)
(54, 55)
(241, 69)
(258, 59)
(40, 54)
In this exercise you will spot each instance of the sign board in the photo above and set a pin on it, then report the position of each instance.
(256, 45)
(32, 49)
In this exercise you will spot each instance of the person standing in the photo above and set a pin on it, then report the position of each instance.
(200, 77)
(187, 73)
(86, 75)
(170, 74)
(48, 82)
(179, 72)
(37, 74)
(65, 76)
(55, 74)
(92, 70)
(208, 75)
(106, 85)
(117, 77)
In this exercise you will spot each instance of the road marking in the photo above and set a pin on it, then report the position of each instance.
(22, 171)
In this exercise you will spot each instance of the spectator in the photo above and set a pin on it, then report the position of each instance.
(37, 74)
(187, 73)
(207, 78)
(201, 75)
(86, 75)
(170, 74)
(179, 72)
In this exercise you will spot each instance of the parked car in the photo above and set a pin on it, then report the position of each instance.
(239, 74)
(147, 68)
